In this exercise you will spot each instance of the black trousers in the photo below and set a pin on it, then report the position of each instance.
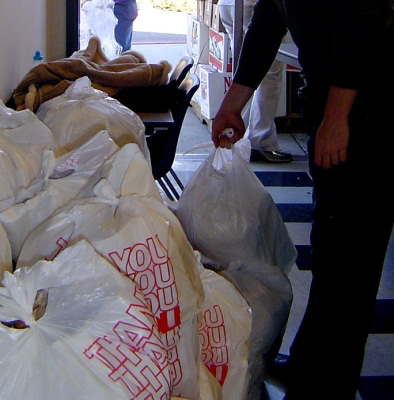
(351, 228)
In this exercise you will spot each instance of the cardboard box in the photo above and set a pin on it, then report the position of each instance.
(214, 85)
(220, 55)
(201, 10)
(217, 24)
(198, 42)
(197, 96)
(208, 13)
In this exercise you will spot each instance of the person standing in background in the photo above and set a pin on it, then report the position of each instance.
(259, 113)
(126, 12)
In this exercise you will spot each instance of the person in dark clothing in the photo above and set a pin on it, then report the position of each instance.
(346, 53)
(126, 12)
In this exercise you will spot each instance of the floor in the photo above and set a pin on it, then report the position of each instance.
(290, 187)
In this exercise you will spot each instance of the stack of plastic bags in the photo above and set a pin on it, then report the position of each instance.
(119, 278)
(145, 242)
(109, 298)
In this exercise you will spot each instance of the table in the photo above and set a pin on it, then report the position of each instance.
(161, 120)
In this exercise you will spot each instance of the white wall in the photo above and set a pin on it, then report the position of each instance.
(27, 26)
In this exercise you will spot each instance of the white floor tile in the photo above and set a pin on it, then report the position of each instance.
(299, 232)
(286, 195)
(379, 356)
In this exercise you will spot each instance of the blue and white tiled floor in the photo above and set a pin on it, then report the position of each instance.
(290, 187)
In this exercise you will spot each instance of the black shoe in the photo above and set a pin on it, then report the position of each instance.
(270, 156)
(278, 370)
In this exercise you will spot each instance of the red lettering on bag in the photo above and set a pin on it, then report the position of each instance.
(153, 248)
(139, 258)
(145, 281)
(120, 261)
(153, 302)
(176, 368)
(164, 274)
(149, 266)
(168, 298)
(219, 372)
(214, 317)
(220, 355)
(206, 357)
(170, 338)
(144, 378)
(213, 342)
(138, 376)
(217, 336)
(169, 320)
(61, 244)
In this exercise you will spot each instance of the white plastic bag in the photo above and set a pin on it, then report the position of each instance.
(23, 139)
(230, 217)
(85, 332)
(145, 241)
(224, 334)
(5, 253)
(268, 292)
(23, 127)
(87, 158)
(232, 220)
(128, 172)
(68, 175)
(82, 111)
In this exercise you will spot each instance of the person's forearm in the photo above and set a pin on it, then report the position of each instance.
(339, 103)
(332, 137)
(236, 97)
(229, 115)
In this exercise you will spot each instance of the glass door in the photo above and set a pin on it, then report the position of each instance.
(87, 18)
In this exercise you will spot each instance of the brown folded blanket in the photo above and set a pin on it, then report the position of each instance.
(51, 79)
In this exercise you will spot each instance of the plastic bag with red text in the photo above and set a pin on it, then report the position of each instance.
(145, 241)
(75, 328)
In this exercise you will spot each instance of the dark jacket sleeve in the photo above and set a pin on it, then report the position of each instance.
(261, 44)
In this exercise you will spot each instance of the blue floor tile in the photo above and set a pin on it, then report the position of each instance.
(284, 178)
(303, 260)
(295, 212)
(384, 317)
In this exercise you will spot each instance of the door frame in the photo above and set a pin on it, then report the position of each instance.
(73, 8)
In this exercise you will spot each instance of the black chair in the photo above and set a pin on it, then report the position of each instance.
(162, 109)
(163, 130)
(181, 70)
(155, 98)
